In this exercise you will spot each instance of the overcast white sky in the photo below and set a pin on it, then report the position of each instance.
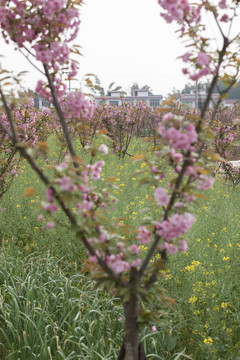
(123, 41)
(126, 41)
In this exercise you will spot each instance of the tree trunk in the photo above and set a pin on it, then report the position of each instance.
(131, 348)
(131, 312)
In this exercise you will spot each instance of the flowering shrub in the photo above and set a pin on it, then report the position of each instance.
(29, 124)
(225, 135)
(82, 125)
(48, 27)
(121, 123)
(223, 145)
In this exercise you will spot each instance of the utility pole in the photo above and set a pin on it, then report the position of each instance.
(69, 80)
(196, 95)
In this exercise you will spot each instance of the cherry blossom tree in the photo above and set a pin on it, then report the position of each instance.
(29, 123)
(43, 30)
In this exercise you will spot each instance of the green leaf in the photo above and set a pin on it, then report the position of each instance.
(171, 342)
(127, 296)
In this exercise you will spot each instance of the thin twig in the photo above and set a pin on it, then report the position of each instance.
(10, 119)
(60, 114)
(35, 66)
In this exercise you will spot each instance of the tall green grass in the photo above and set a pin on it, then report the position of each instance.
(50, 310)
(46, 315)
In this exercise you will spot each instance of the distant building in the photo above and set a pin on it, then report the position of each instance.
(196, 100)
(199, 98)
(39, 102)
(230, 102)
(116, 98)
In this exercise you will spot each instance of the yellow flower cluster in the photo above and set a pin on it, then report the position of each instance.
(208, 341)
(193, 266)
(192, 299)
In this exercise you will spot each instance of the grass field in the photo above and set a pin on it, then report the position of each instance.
(50, 310)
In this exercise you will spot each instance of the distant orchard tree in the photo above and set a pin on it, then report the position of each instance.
(135, 86)
(96, 88)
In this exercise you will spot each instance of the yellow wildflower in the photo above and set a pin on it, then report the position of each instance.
(208, 341)
(195, 263)
(192, 299)
(224, 305)
(226, 258)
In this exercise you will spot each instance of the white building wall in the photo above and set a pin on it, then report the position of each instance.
(115, 94)
(142, 93)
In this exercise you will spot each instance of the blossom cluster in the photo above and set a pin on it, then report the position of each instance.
(225, 141)
(46, 28)
(78, 105)
(182, 141)
(42, 25)
(173, 228)
(180, 10)
(79, 191)
(79, 188)
(121, 262)
(121, 123)
(29, 124)
(178, 139)
(202, 60)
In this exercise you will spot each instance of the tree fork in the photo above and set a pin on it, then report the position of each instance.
(131, 348)
(141, 352)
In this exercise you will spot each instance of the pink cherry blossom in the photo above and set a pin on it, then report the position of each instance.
(79, 105)
(160, 195)
(224, 18)
(49, 195)
(95, 170)
(50, 207)
(180, 10)
(186, 56)
(66, 183)
(204, 182)
(46, 111)
(144, 235)
(92, 258)
(203, 59)
(119, 266)
(178, 139)
(136, 263)
(154, 329)
(185, 71)
(85, 205)
(175, 226)
(183, 245)
(222, 4)
(176, 156)
(103, 148)
(40, 218)
(50, 225)
(171, 248)
(154, 169)
(135, 249)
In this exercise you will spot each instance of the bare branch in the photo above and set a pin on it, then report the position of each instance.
(60, 113)
(14, 135)
(35, 66)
